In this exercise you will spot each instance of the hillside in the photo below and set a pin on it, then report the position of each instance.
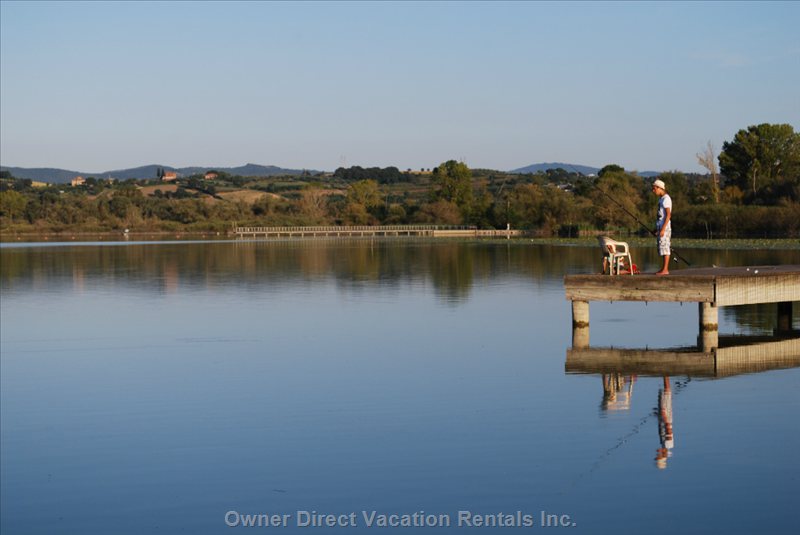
(541, 167)
(571, 168)
(61, 176)
(44, 174)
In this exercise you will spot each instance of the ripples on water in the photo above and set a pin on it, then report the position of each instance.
(152, 387)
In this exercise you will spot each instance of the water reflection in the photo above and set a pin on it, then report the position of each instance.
(244, 375)
(665, 432)
(451, 268)
(619, 369)
(617, 391)
(618, 396)
(736, 355)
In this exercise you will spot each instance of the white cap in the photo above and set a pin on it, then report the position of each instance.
(660, 184)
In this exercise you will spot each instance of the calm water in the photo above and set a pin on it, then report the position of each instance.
(174, 387)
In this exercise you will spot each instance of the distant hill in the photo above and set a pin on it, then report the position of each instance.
(571, 168)
(542, 167)
(60, 176)
(43, 174)
(145, 171)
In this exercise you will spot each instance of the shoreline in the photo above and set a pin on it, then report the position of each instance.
(34, 237)
(116, 236)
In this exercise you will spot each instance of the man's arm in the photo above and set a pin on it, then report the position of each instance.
(666, 221)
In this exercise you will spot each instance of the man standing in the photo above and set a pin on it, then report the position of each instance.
(663, 226)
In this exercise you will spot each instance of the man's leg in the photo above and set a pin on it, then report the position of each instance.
(665, 267)
(664, 250)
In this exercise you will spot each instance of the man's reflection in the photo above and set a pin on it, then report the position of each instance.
(617, 392)
(617, 396)
(665, 434)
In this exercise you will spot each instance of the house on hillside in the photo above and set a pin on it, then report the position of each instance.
(78, 181)
(211, 175)
(169, 176)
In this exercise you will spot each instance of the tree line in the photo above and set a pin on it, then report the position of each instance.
(754, 192)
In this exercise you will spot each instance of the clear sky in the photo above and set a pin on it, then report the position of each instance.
(101, 86)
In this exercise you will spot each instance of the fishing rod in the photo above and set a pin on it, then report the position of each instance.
(675, 254)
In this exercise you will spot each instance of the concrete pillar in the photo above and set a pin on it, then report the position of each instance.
(784, 317)
(580, 314)
(708, 338)
(580, 324)
(580, 337)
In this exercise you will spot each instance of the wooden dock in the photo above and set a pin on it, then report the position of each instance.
(711, 288)
(735, 355)
(431, 231)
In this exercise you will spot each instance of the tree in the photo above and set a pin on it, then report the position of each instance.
(626, 190)
(396, 215)
(356, 214)
(543, 207)
(12, 204)
(453, 183)
(363, 198)
(119, 205)
(764, 159)
(129, 191)
(677, 187)
(441, 212)
(389, 175)
(707, 159)
(610, 168)
(313, 203)
(364, 192)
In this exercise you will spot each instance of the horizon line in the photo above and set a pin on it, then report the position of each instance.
(213, 167)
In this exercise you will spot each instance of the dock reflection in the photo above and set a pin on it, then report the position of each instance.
(736, 355)
(617, 391)
(619, 369)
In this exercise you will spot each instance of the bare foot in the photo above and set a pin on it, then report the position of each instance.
(662, 272)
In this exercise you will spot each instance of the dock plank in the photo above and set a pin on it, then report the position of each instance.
(771, 287)
(721, 286)
(639, 288)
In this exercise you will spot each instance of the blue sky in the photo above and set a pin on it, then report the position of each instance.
(100, 86)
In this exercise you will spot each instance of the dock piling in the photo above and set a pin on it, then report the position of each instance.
(711, 288)
(580, 314)
(784, 317)
(580, 324)
(709, 326)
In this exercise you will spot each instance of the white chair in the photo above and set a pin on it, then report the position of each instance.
(614, 253)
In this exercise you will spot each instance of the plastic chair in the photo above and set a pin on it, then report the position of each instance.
(615, 252)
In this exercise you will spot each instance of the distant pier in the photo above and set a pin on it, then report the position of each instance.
(432, 231)
(711, 288)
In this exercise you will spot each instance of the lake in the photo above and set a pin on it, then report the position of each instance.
(337, 386)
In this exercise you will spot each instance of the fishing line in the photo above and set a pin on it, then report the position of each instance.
(621, 441)
(675, 255)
